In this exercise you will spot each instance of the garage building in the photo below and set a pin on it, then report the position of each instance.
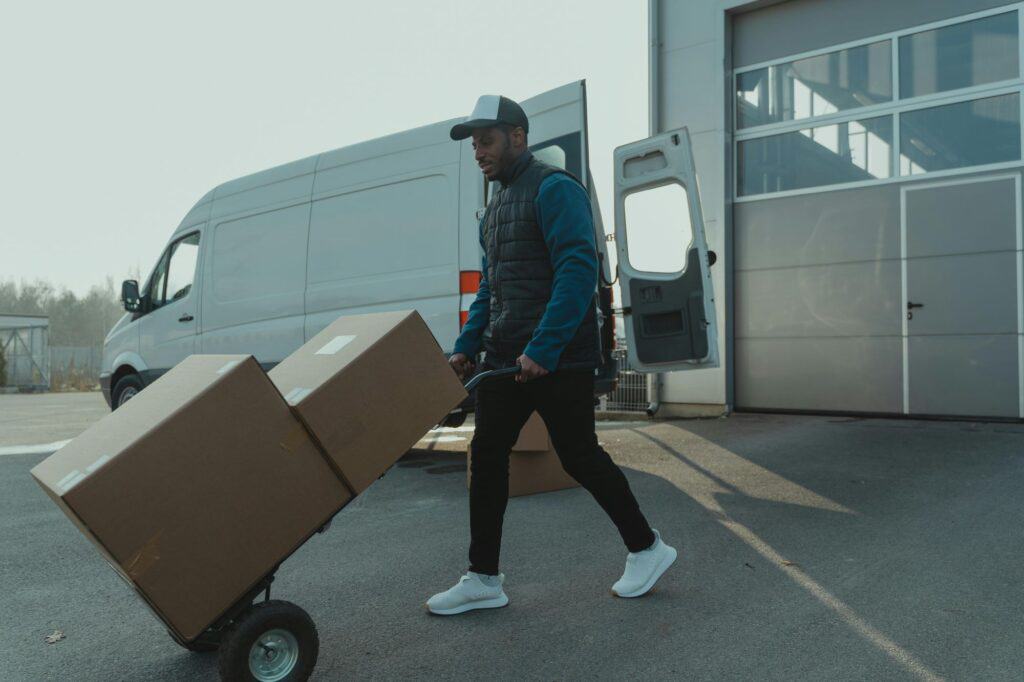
(860, 174)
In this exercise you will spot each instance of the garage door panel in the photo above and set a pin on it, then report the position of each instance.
(842, 374)
(834, 227)
(974, 293)
(957, 219)
(964, 375)
(850, 299)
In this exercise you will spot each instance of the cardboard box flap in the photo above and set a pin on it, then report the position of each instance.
(368, 387)
(122, 428)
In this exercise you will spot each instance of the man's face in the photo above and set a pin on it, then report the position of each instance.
(493, 151)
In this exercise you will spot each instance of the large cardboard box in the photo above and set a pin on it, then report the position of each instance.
(533, 465)
(368, 387)
(196, 488)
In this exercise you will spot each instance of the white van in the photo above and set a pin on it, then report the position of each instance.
(264, 262)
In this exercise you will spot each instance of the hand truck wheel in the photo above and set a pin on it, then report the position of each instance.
(273, 641)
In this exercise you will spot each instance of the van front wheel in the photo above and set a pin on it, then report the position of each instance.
(126, 388)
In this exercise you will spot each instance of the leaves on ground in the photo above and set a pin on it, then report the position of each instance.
(55, 637)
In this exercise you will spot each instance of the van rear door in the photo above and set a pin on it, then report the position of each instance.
(668, 303)
(558, 136)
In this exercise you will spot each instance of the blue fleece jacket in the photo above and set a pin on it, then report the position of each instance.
(563, 213)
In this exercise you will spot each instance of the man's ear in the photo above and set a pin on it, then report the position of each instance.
(520, 136)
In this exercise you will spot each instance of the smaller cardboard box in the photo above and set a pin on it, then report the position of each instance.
(368, 387)
(530, 470)
(196, 488)
(533, 437)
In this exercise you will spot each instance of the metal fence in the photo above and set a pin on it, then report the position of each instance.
(24, 341)
(630, 394)
(75, 367)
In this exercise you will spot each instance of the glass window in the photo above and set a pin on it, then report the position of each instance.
(155, 291)
(813, 157)
(658, 230)
(962, 134)
(959, 56)
(814, 86)
(563, 152)
(182, 268)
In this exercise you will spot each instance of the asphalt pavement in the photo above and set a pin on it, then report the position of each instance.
(810, 548)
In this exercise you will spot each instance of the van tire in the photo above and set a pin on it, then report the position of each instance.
(126, 388)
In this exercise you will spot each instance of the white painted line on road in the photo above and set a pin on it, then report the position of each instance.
(704, 489)
(43, 449)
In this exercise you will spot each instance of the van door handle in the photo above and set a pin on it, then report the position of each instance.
(186, 318)
(911, 306)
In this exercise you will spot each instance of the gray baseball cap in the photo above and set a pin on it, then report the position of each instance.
(490, 110)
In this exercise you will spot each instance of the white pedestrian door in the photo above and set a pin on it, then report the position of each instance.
(962, 343)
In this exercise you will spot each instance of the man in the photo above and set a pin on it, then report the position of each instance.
(536, 308)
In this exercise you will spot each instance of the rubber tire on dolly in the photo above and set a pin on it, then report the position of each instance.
(260, 619)
(128, 381)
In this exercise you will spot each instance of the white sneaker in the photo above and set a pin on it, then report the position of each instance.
(644, 568)
(468, 594)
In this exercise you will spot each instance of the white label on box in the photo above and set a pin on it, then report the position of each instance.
(335, 344)
(228, 366)
(97, 464)
(70, 481)
(297, 394)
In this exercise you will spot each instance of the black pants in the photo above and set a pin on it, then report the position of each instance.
(565, 401)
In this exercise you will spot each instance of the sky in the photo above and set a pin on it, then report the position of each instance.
(118, 116)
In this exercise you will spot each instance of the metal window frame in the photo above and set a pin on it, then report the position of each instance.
(893, 108)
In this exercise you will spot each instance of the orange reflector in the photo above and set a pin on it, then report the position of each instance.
(463, 316)
(469, 281)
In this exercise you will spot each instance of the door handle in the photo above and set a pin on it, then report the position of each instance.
(911, 306)
(186, 318)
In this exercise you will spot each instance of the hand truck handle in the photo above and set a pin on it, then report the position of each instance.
(491, 374)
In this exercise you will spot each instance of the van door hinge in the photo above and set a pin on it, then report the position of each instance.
(609, 237)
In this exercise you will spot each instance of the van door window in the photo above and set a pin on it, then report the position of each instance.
(172, 278)
(182, 270)
(563, 152)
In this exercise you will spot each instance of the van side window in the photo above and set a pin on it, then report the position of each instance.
(172, 278)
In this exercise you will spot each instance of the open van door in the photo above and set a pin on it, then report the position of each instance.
(558, 128)
(668, 304)
(558, 136)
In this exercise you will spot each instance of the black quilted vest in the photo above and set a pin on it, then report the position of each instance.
(520, 274)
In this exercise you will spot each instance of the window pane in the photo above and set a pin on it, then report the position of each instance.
(824, 84)
(563, 152)
(183, 267)
(155, 291)
(813, 157)
(658, 231)
(963, 134)
(959, 56)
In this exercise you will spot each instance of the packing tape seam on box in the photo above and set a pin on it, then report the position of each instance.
(296, 395)
(70, 481)
(228, 366)
(334, 345)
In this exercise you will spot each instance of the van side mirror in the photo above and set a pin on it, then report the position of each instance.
(130, 298)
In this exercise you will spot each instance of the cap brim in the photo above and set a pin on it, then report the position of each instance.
(463, 130)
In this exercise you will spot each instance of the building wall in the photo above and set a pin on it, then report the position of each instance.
(808, 287)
